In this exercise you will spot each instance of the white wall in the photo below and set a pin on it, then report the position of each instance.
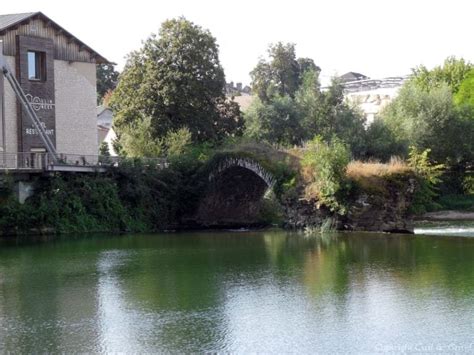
(371, 102)
(76, 98)
(109, 139)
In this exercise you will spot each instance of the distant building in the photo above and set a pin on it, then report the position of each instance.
(237, 89)
(240, 94)
(105, 132)
(371, 95)
(244, 101)
(109, 139)
(352, 76)
(104, 116)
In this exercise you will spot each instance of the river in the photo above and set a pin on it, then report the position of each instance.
(269, 291)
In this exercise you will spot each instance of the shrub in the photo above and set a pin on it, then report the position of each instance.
(324, 167)
(428, 174)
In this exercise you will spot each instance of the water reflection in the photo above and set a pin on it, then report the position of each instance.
(259, 291)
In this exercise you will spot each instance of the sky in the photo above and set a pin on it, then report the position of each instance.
(378, 38)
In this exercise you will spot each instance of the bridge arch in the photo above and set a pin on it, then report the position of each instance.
(246, 163)
(235, 193)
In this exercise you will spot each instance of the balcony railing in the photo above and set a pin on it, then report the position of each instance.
(44, 161)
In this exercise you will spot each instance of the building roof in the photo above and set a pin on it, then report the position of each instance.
(101, 108)
(352, 76)
(12, 21)
(7, 21)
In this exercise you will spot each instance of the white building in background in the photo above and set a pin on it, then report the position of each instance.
(371, 95)
(105, 132)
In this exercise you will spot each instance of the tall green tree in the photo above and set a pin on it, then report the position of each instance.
(282, 74)
(327, 114)
(107, 79)
(174, 81)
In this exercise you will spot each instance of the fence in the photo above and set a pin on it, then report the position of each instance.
(45, 161)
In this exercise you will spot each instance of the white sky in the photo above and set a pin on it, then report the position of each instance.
(375, 37)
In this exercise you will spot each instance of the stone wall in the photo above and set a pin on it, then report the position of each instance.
(385, 209)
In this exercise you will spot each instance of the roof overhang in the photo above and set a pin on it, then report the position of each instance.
(39, 15)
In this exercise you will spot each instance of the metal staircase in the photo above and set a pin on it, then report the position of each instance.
(30, 112)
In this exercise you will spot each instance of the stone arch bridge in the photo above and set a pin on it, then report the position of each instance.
(234, 196)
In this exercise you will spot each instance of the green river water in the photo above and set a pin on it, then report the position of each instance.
(239, 292)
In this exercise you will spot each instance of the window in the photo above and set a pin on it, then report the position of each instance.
(36, 66)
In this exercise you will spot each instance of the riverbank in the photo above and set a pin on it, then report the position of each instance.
(447, 216)
(246, 185)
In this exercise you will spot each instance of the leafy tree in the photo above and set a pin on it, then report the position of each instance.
(175, 80)
(306, 65)
(429, 120)
(136, 140)
(452, 72)
(278, 121)
(291, 107)
(107, 79)
(327, 114)
(381, 143)
(465, 94)
(282, 74)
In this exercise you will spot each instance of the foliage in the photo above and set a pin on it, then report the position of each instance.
(137, 196)
(282, 74)
(176, 142)
(429, 120)
(107, 79)
(67, 203)
(421, 164)
(465, 94)
(468, 184)
(432, 111)
(325, 166)
(451, 73)
(457, 202)
(175, 80)
(429, 174)
(291, 120)
(137, 140)
(104, 149)
(278, 121)
(327, 114)
(382, 143)
(6, 187)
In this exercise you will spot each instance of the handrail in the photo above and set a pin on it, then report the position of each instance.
(44, 161)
